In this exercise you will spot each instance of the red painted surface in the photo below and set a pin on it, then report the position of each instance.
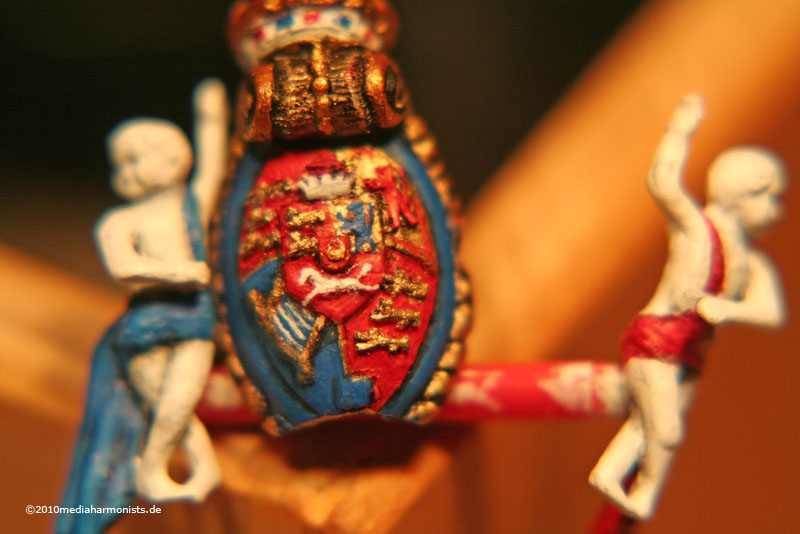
(716, 275)
(387, 371)
(400, 245)
(680, 338)
(503, 391)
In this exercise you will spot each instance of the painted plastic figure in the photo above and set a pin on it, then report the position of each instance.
(712, 276)
(161, 347)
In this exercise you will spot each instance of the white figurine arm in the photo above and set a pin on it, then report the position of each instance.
(664, 180)
(116, 241)
(763, 302)
(211, 138)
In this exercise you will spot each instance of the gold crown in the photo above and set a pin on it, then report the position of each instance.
(379, 14)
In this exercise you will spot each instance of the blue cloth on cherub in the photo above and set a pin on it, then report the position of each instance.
(114, 424)
(163, 317)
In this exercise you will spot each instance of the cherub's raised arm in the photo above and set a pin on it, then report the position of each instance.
(665, 180)
(211, 140)
(762, 304)
(116, 241)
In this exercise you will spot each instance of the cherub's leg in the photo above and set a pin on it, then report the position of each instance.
(655, 386)
(184, 378)
(146, 373)
(619, 459)
(206, 473)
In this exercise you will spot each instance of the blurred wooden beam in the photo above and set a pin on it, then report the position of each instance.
(567, 216)
(362, 476)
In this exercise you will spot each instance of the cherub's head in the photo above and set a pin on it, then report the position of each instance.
(148, 155)
(748, 182)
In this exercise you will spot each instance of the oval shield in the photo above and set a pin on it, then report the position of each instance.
(338, 281)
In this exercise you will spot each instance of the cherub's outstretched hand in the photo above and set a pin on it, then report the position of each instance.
(687, 115)
(210, 101)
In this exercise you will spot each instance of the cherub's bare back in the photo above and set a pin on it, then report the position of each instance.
(691, 257)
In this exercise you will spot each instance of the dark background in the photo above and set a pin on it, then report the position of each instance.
(481, 73)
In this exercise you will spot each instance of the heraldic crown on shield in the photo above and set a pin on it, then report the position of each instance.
(334, 246)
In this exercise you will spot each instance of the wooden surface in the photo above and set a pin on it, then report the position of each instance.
(564, 247)
(582, 247)
(357, 477)
(573, 194)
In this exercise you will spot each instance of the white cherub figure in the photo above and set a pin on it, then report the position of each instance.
(154, 246)
(712, 276)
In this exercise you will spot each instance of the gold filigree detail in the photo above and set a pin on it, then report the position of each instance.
(256, 242)
(422, 412)
(437, 387)
(385, 312)
(302, 246)
(337, 250)
(235, 367)
(463, 286)
(402, 248)
(306, 372)
(259, 217)
(270, 426)
(415, 128)
(426, 150)
(400, 282)
(254, 398)
(452, 356)
(217, 283)
(461, 321)
(411, 234)
(297, 219)
(437, 170)
(320, 86)
(373, 340)
(264, 191)
(265, 309)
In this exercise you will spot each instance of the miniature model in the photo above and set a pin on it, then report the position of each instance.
(333, 254)
(161, 347)
(335, 249)
(712, 276)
